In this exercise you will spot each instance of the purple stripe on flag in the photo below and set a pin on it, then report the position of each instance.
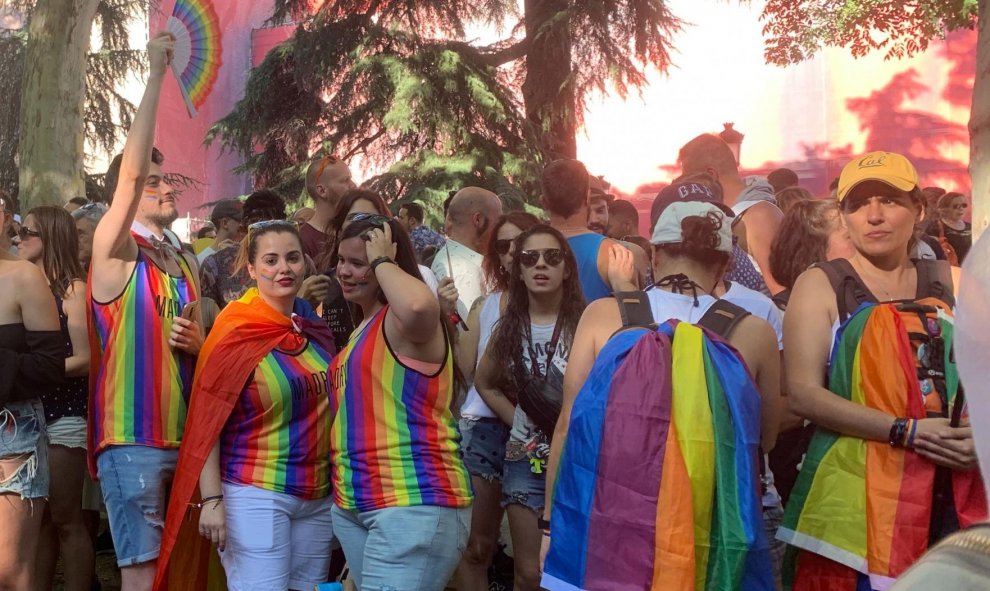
(622, 528)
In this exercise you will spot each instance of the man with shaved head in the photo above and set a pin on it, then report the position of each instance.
(471, 215)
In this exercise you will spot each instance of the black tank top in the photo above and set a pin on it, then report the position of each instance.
(72, 397)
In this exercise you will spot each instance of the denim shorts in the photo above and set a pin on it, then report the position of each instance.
(521, 486)
(403, 548)
(483, 444)
(135, 480)
(23, 450)
(68, 432)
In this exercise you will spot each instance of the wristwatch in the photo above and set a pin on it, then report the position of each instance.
(543, 524)
(380, 261)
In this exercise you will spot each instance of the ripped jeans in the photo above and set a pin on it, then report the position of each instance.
(135, 480)
(23, 450)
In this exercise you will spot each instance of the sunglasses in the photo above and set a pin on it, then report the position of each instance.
(960, 206)
(24, 233)
(502, 246)
(551, 256)
(267, 224)
(372, 218)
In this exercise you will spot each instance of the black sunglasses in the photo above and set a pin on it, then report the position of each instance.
(372, 218)
(551, 256)
(502, 246)
(24, 233)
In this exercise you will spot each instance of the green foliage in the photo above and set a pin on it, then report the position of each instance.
(398, 83)
(796, 29)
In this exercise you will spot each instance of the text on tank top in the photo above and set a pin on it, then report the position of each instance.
(586, 248)
(278, 435)
(142, 383)
(394, 441)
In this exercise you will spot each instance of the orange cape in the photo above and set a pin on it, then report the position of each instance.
(244, 332)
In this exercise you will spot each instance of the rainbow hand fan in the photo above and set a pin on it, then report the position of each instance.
(197, 57)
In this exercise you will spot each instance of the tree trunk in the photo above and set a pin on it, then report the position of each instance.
(53, 101)
(11, 72)
(979, 125)
(548, 90)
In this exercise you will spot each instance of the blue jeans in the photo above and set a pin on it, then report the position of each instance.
(522, 486)
(403, 548)
(24, 450)
(135, 480)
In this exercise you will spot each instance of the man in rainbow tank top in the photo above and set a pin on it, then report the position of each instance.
(144, 350)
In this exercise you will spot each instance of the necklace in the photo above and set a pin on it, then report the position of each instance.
(876, 284)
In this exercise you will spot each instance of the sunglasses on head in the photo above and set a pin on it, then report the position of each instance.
(24, 233)
(372, 218)
(551, 256)
(267, 224)
(502, 246)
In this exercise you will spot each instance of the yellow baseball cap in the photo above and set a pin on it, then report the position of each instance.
(886, 167)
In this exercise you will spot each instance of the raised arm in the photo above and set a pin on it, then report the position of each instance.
(112, 239)
(412, 305)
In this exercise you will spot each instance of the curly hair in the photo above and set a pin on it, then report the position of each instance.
(507, 337)
(700, 241)
(497, 278)
(802, 239)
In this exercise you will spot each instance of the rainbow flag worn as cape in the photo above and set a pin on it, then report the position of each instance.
(658, 485)
(243, 334)
(865, 504)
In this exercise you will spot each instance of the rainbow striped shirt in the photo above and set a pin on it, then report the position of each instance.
(142, 383)
(278, 435)
(394, 441)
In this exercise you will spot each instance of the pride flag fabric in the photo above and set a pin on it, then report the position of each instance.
(394, 441)
(658, 484)
(865, 505)
(244, 333)
(139, 384)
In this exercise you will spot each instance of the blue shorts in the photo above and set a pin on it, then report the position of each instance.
(483, 446)
(521, 486)
(135, 480)
(23, 450)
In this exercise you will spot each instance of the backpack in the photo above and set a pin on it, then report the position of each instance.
(634, 308)
(928, 338)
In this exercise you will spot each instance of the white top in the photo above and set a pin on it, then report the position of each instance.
(205, 253)
(429, 278)
(468, 276)
(666, 305)
(474, 407)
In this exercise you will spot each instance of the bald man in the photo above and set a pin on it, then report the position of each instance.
(471, 216)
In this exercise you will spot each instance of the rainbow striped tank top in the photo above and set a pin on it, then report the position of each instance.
(142, 384)
(278, 435)
(394, 441)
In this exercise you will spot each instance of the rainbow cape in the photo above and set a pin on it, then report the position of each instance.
(864, 504)
(244, 332)
(658, 485)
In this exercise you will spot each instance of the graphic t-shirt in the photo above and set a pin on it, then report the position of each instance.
(525, 439)
(278, 434)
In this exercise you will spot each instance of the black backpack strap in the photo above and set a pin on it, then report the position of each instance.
(935, 281)
(722, 317)
(634, 308)
(850, 292)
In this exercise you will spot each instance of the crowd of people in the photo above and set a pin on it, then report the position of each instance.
(347, 385)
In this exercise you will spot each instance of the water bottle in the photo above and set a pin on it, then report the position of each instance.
(329, 587)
